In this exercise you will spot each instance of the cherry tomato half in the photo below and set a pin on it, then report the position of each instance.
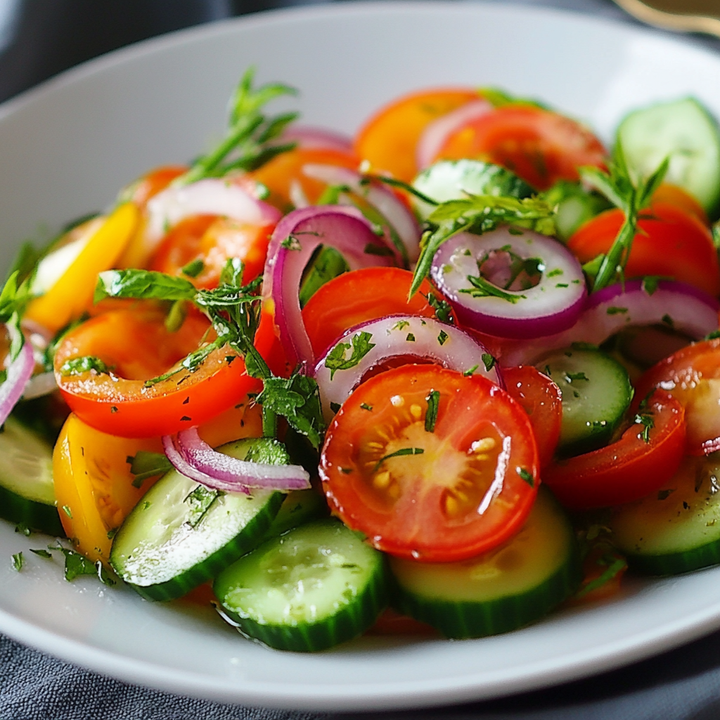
(671, 242)
(541, 399)
(433, 490)
(640, 462)
(389, 138)
(692, 376)
(136, 346)
(538, 145)
(283, 175)
(212, 240)
(358, 296)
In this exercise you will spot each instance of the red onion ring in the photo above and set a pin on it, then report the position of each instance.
(691, 311)
(316, 138)
(194, 458)
(401, 336)
(551, 306)
(382, 198)
(212, 196)
(436, 133)
(19, 371)
(291, 246)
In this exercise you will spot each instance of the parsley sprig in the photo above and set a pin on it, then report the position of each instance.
(234, 310)
(632, 198)
(479, 214)
(248, 142)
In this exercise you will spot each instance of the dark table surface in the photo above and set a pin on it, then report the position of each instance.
(39, 38)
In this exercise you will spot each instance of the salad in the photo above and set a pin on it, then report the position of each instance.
(443, 376)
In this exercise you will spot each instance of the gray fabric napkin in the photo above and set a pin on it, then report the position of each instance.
(678, 685)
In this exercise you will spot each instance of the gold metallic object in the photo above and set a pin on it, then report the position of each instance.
(685, 15)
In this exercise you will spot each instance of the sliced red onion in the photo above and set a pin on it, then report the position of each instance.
(381, 197)
(672, 304)
(436, 133)
(552, 305)
(291, 247)
(19, 371)
(194, 458)
(315, 138)
(401, 336)
(212, 196)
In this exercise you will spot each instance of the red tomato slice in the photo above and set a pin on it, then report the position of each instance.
(671, 242)
(136, 346)
(541, 399)
(389, 138)
(154, 182)
(540, 146)
(692, 376)
(359, 296)
(628, 469)
(213, 241)
(285, 171)
(441, 492)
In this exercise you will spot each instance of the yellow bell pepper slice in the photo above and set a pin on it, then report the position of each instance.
(72, 294)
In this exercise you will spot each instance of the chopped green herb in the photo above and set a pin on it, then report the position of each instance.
(86, 363)
(291, 243)
(367, 407)
(573, 376)
(612, 310)
(410, 337)
(335, 406)
(18, 561)
(67, 511)
(361, 346)
(488, 361)
(41, 552)
(471, 371)
(23, 529)
(442, 337)
(526, 476)
(443, 311)
(193, 268)
(398, 453)
(667, 320)
(400, 325)
(647, 421)
(433, 401)
(484, 288)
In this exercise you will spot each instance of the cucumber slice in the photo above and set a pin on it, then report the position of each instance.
(309, 589)
(182, 534)
(575, 206)
(507, 588)
(299, 507)
(677, 529)
(455, 179)
(326, 263)
(596, 392)
(684, 131)
(27, 495)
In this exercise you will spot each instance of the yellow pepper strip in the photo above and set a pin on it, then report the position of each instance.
(72, 294)
(94, 486)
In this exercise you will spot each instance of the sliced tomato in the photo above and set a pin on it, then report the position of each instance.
(94, 487)
(361, 295)
(670, 242)
(692, 375)
(212, 241)
(389, 138)
(639, 463)
(136, 346)
(541, 399)
(153, 182)
(538, 145)
(437, 491)
(283, 175)
(675, 195)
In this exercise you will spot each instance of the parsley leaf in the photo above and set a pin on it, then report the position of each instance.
(631, 197)
(336, 358)
(433, 401)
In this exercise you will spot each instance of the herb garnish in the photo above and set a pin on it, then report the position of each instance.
(361, 346)
(398, 453)
(433, 401)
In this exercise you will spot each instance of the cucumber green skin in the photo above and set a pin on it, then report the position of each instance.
(252, 534)
(350, 622)
(30, 513)
(462, 619)
(675, 563)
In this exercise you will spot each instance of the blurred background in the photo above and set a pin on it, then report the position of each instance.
(40, 38)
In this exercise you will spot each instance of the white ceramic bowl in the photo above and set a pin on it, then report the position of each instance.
(67, 147)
